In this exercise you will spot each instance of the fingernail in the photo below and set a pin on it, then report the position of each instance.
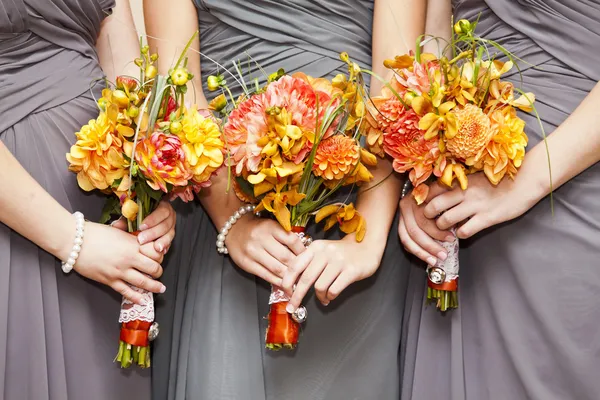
(450, 238)
(141, 239)
(143, 227)
(289, 308)
(161, 248)
(163, 289)
(325, 304)
(432, 261)
(442, 255)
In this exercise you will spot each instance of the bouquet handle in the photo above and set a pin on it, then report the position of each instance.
(442, 279)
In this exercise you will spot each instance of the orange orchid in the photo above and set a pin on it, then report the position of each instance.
(277, 203)
(346, 216)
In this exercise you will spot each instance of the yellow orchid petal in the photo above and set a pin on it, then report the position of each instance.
(282, 214)
(525, 102)
(451, 126)
(130, 209)
(367, 158)
(446, 107)
(421, 105)
(459, 171)
(262, 188)
(257, 178)
(326, 212)
(293, 132)
(447, 176)
(126, 131)
(427, 121)
(433, 130)
(330, 223)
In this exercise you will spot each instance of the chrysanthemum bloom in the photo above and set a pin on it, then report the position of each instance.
(202, 144)
(336, 157)
(161, 159)
(506, 151)
(406, 144)
(473, 133)
(97, 156)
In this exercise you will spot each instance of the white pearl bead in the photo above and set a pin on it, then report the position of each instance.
(78, 241)
(77, 248)
(71, 261)
(74, 255)
(237, 215)
(250, 208)
(225, 251)
(228, 225)
(221, 237)
(242, 210)
(224, 231)
(220, 243)
(232, 220)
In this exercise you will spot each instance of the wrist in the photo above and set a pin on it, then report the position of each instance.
(374, 249)
(60, 243)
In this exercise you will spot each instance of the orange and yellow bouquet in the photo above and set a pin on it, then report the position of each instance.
(291, 145)
(145, 144)
(444, 119)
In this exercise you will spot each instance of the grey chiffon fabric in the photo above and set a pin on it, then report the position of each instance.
(212, 345)
(527, 326)
(58, 333)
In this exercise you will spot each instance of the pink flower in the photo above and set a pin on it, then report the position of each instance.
(419, 79)
(161, 160)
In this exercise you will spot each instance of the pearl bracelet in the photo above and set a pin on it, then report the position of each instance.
(248, 208)
(67, 266)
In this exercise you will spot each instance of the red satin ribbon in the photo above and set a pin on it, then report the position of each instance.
(283, 330)
(135, 333)
(450, 286)
(298, 229)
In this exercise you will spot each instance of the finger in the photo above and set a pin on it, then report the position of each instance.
(124, 290)
(422, 239)
(149, 251)
(322, 285)
(431, 229)
(121, 224)
(290, 239)
(340, 284)
(412, 247)
(258, 270)
(156, 231)
(474, 225)
(442, 203)
(147, 266)
(296, 268)
(307, 279)
(163, 243)
(435, 189)
(162, 212)
(269, 262)
(142, 281)
(455, 216)
(279, 251)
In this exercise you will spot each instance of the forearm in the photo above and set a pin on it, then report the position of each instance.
(438, 24)
(168, 40)
(118, 43)
(220, 203)
(396, 26)
(29, 210)
(573, 147)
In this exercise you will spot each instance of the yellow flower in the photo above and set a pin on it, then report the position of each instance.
(129, 209)
(202, 144)
(97, 156)
(473, 133)
(277, 203)
(442, 120)
(346, 216)
(180, 76)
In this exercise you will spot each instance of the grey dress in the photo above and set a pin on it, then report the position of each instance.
(58, 334)
(527, 326)
(212, 341)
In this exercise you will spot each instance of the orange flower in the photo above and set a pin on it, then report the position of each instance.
(336, 157)
(277, 203)
(473, 133)
(346, 216)
(406, 144)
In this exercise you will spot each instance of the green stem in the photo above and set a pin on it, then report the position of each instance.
(185, 49)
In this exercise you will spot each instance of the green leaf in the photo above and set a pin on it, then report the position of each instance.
(111, 207)
(245, 186)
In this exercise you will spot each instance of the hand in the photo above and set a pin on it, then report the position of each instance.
(480, 206)
(114, 258)
(262, 247)
(158, 227)
(418, 233)
(331, 265)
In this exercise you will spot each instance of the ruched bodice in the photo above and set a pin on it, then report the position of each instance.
(45, 45)
(295, 35)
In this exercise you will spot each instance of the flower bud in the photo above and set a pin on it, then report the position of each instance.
(150, 72)
(139, 62)
(179, 77)
(154, 57)
(130, 209)
(344, 57)
(408, 98)
(133, 112)
(120, 98)
(463, 27)
(102, 103)
(126, 83)
(175, 127)
(145, 49)
(213, 83)
(218, 103)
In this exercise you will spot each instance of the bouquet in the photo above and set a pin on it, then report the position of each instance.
(145, 144)
(444, 119)
(291, 145)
